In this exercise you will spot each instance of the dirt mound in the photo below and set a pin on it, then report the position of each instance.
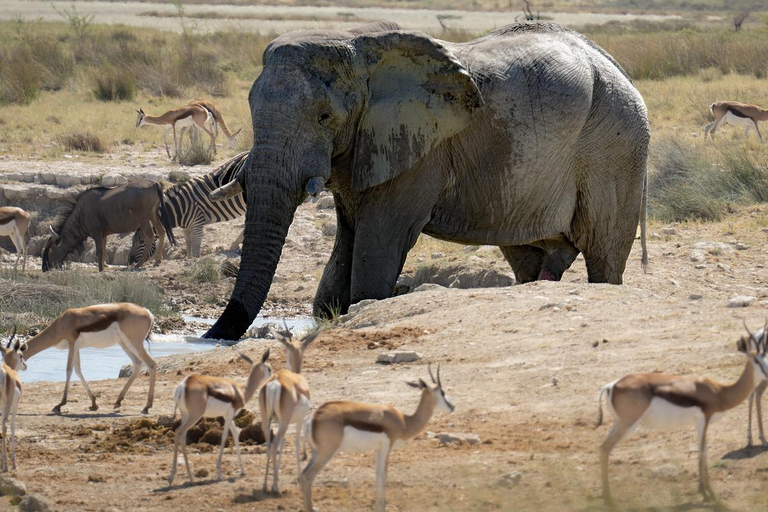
(345, 339)
(148, 434)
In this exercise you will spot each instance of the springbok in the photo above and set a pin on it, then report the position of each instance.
(285, 396)
(735, 113)
(663, 401)
(14, 223)
(100, 326)
(200, 396)
(100, 211)
(182, 117)
(757, 396)
(10, 392)
(218, 119)
(358, 427)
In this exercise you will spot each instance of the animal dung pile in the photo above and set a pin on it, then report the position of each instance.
(147, 434)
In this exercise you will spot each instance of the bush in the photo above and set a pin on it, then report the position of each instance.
(689, 183)
(205, 270)
(114, 85)
(194, 154)
(57, 65)
(82, 141)
(21, 77)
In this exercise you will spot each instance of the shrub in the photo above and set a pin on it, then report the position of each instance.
(82, 141)
(20, 76)
(57, 65)
(114, 85)
(205, 270)
(194, 154)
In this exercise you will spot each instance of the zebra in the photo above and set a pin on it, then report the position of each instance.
(190, 208)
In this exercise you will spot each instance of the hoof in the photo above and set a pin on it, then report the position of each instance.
(145, 410)
(117, 405)
(57, 409)
(94, 407)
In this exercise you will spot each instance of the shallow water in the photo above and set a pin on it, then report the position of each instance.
(105, 363)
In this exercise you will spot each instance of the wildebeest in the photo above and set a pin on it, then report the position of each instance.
(103, 211)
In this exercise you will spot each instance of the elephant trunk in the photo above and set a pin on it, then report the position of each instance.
(271, 206)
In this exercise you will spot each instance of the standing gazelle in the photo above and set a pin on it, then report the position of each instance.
(10, 392)
(14, 223)
(740, 114)
(662, 401)
(218, 121)
(182, 117)
(757, 396)
(357, 427)
(285, 397)
(100, 326)
(200, 396)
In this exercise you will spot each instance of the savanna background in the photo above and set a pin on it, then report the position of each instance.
(523, 363)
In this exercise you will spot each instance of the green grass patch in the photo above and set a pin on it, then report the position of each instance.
(205, 270)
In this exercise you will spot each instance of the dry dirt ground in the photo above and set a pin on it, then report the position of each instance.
(523, 364)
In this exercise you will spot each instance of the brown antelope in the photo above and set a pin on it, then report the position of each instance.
(100, 326)
(10, 392)
(182, 117)
(357, 427)
(285, 397)
(200, 396)
(757, 396)
(14, 223)
(735, 113)
(218, 121)
(662, 401)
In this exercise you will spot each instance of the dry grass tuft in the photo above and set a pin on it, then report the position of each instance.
(82, 141)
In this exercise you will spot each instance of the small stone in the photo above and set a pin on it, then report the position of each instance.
(741, 246)
(329, 229)
(201, 473)
(551, 305)
(665, 471)
(595, 344)
(125, 371)
(325, 203)
(427, 286)
(668, 231)
(437, 255)
(700, 267)
(510, 479)
(35, 503)
(655, 236)
(400, 356)
(298, 288)
(446, 438)
(674, 282)
(12, 487)
(741, 301)
(359, 306)
(723, 267)
(697, 256)
(695, 296)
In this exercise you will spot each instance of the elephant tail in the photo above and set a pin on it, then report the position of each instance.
(643, 229)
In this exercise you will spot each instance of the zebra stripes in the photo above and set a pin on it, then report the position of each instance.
(190, 208)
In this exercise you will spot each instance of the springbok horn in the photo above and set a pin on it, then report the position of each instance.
(439, 382)
(288, 332)
(429, 369)
(245, 357)
(12, 336)
(231, 189)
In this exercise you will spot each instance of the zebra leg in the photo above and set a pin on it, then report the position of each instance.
(188, 240)
(160, 230)
(196, 240)
(146, 231)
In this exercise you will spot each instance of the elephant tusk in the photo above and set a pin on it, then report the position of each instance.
(226, 191)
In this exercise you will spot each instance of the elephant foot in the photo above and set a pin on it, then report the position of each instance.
(546, 275)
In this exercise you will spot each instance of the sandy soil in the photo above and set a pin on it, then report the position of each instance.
(522, 363)
(129, 13)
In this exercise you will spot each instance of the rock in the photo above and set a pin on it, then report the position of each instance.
(446, 438)
(35, 503)
(461, 276)
(438, 255)
(655, 236)
(201, 473)
(326, 203)
(741, 301)
(12, 487)
(125, 371)
(329, 229)
(263, 331)
(695, 296)
(723, 267)
(698, 257)
(48, 178)
(400, 356)
(427, 286)
(741, 246)
(700, 267)
(713, 247)
(665, 471)
(510, 479)
(67, 180)
(403, 285)
(121, 255)
(359, 306)
(668, 231)
(113, 180)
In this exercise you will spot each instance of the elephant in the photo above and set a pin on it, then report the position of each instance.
(531, 138)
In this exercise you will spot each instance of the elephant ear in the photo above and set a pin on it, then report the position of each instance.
(419, 94)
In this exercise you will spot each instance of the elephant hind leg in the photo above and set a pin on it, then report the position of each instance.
(561, 253)
(526, 261)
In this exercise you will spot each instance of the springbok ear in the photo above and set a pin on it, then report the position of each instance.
(741, 345)
(309, 338)
(265, 356)
(418, 385)
(419, 94)
(279, 336)
(23, 347)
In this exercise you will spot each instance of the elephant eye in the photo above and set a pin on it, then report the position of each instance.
(324, 118)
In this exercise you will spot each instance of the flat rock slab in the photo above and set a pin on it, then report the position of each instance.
(446, 438)
(12, 487)
(401, 356)
(741, 301)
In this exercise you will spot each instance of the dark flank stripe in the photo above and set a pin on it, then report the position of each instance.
(365, 426)
(99, 325)
(677, 399)
(737, 113)
(6, 220)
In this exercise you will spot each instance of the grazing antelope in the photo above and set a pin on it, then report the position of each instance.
(357, 427)
(182, 117)
(14, 223)
(10, 392)
(662, 401)
(285, 396)
(100, 326)
(218, 119)
(199, 395)
(735, 113)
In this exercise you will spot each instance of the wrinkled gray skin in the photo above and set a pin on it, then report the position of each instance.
(531, 138)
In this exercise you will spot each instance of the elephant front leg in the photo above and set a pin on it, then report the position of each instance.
(332, 297)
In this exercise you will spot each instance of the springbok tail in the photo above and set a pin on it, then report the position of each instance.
(178, 396)
(605, 390)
